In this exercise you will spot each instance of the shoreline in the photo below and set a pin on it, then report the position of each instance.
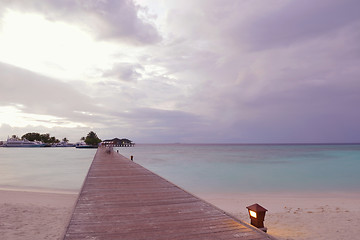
(38, 190)
(44, 214)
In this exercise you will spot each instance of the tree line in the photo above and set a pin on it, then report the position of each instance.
(90, 139)
(45, 138)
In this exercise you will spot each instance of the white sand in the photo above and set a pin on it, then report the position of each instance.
(336, 216)
(331, 216)
(34, 215)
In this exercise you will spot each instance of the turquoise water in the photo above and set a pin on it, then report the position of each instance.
(253, 168)
(44, 168)
(197, 168)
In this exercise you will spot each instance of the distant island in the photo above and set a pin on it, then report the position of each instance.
(45, 140)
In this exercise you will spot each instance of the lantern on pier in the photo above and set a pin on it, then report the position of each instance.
(257, 216)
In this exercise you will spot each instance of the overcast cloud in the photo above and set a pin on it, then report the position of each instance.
(175, 71)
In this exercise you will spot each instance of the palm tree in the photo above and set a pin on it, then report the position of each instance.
(92, 139)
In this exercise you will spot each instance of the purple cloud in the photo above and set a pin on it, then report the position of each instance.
(211, 71)
(300, 20)
(107, 20)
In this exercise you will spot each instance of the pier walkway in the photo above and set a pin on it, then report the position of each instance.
(122, 200)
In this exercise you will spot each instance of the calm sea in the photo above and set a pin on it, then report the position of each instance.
(197, 168)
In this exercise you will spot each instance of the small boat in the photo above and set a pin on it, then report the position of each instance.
(14, 142)
(64, 144)
(84, 145)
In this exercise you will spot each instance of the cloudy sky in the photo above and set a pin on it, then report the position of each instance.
(165, 71)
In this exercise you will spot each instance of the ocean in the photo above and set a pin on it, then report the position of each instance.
(198, 168)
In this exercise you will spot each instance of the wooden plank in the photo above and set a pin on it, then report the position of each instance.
(122, 200)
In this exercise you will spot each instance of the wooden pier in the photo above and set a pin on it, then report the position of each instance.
(122, 200)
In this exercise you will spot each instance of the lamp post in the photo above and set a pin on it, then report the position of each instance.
(257, 216)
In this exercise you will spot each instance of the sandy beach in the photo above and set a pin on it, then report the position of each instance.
(305, 216)
(334, 216)
(34, 215)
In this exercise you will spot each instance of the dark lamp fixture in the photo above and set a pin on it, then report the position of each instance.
(257, 216)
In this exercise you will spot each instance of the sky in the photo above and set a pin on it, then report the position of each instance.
(172, 71)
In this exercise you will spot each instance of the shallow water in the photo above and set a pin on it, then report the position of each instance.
(253, 168)
(197, 168)
(44, 168)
